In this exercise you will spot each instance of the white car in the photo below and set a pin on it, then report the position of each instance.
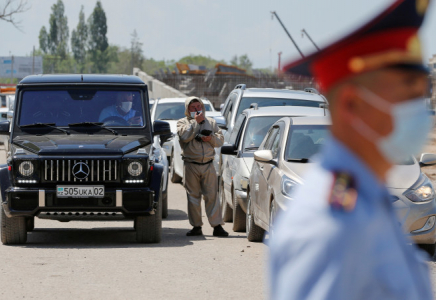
(171, 110)
(237, 156)
(285, 155)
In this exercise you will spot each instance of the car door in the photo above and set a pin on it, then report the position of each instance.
(228, 113)
(267, 174)
(263, 184)
(228, 160)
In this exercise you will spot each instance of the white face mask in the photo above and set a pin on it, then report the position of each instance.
(193, 113)
(126, 106)
(411, 125)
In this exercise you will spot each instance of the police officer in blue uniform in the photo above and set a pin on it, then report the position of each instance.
(340, 238)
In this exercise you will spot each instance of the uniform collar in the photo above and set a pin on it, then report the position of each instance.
(338, 158)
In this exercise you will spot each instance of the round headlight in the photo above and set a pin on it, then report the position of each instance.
(134, 168)
(26, 168)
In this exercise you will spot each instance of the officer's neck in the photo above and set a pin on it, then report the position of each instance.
(366, 151)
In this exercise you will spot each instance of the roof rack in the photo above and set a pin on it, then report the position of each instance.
(241, 86)
(311, 90)
(254, 106)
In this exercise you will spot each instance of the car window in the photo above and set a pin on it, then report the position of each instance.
(229, 113)
(114, 108)
(275, 145)
(170, 111)
(256, 130)
(271, 137)
(236, 130)
(305, 140)
(207, 107)
(263, 102)
(3, 101)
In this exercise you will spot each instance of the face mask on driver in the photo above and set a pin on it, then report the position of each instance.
(126, 106)
(411, 126)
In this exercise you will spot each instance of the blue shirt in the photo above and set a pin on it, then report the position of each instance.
(320, 252)
(112, 111)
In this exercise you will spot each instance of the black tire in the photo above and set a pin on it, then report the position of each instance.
(30, 224)
(149, 228)
(173, 175)
(13, 230)
(429, 248)
(254, 232)
(165, 203)
(239, 217)
(225, 207)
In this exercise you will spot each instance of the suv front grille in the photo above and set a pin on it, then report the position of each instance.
(78, 170)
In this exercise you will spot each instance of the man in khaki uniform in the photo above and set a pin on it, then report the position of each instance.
(199, 173)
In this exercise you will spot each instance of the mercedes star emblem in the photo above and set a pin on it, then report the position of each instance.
(80, 170)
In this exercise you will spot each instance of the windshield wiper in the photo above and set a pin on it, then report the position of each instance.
(96, 124)
(302, 160)
(51, 125)
(251, 148)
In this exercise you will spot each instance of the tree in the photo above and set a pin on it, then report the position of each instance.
(136, 52)
(97, 41)
(10, 9)
(79, 38)
(58, 33)
(43, 40)
(242, 62)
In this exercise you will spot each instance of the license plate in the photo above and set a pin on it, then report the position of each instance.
(75, 191)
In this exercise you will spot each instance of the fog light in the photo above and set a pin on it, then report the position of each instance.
(134, 181)
(427, 226)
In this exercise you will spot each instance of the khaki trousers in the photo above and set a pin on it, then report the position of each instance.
(201, 180)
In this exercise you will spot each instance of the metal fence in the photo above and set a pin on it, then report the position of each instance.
(216, 87)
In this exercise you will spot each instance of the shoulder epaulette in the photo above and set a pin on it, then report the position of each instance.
(343, 194)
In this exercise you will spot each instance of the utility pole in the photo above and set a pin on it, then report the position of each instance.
(304, 32)
(33, 61)
(279, 67)
(289, 35)
(12, 68)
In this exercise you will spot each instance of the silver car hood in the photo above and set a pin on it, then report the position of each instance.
(399, 177)
(403, 176)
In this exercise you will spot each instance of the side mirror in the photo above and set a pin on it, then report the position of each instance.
(161, 128)
(427, 159)
(4, 127)
(221, 106)
(223, 126)
(264, 156)
(164, 138)
(229, 150)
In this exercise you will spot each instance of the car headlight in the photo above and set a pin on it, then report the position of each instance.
(26, 168)
(288, 186)
(421, 191)
(135, 168)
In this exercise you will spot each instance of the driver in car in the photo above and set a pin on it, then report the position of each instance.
(122, 109)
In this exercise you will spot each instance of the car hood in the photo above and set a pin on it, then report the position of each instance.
(399, 177)
(403, 176)
(80, 144)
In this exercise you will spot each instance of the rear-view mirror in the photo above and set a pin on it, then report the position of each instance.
(427, 159)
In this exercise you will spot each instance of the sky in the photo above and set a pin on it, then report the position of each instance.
(172, 29)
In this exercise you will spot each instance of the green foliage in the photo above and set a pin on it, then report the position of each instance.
(98, 43)
(79, 39)
(58, 33)
(43, 39)
(242, 62)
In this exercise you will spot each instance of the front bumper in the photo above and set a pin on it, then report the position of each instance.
(413, 216)
(28, 202)
(168, 147)
(241, 197)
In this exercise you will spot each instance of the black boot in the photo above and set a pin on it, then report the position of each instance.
(219, 231)
(195, 231)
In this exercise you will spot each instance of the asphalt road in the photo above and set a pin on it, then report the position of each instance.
(101, 260)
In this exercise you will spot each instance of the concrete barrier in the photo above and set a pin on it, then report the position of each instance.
(157, 89)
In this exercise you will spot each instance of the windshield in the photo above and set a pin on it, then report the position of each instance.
(207, 107)
(113, 108)
(262, 102)
(256, 131)
(170, 111)
(305, 140)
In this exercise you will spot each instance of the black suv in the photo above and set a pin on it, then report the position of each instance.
(82, 147)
